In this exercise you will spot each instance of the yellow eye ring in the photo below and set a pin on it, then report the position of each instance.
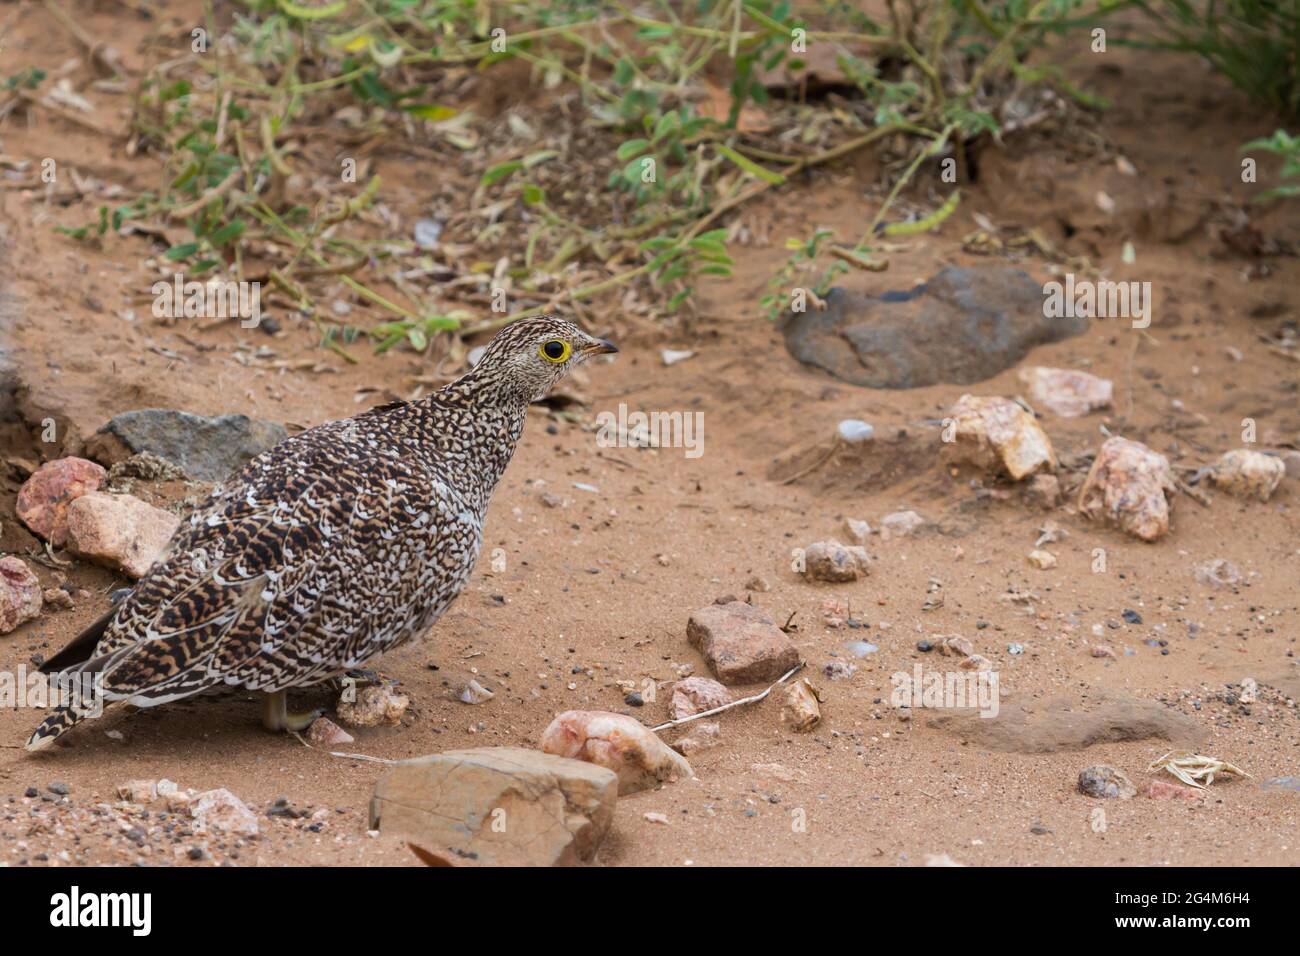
(555, 350)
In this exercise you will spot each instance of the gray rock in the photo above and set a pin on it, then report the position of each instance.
(205, 448)
(961, 327)
(1104, 781)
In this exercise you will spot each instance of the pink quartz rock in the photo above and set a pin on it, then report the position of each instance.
(1164, 790)
(1067, 392)
(695, 695)
(801, 710)
(323, 732)
(20, 593)
(702, 736)
(618, 743)
(1127, 486)
(44, 498)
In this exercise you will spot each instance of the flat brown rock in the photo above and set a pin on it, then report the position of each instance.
(1064, 725)
(741, 643)
(506, 806)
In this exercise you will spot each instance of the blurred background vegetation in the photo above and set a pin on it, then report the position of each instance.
(649, 122)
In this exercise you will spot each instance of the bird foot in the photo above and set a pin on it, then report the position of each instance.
(277, 718)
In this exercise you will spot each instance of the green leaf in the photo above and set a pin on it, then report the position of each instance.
(749, 166)
(541, 156)
(227, 233)
(667, 124)
(500, 172)
(633, 147)
(175, 91)
(186, 175)
(632, 171)
(929, 222)
(181, 251)
(655, 32)
(431, 111)
(388, 342)
(302, 12)
(676, 301)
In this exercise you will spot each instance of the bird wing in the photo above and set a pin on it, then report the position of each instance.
(306, 563)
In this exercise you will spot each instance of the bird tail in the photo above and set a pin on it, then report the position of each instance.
(78, 694)
(55, 726)
(70, 667)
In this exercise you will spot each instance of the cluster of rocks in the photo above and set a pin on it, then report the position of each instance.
(76, 504)
(837, 563)
(553, 805)
(1104, 782)
(1129, 485)
(955, 645)
(146, 821)
(62, 504)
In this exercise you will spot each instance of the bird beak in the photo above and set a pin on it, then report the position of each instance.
(600, 347)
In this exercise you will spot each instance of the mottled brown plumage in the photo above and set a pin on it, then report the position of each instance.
(334, 546)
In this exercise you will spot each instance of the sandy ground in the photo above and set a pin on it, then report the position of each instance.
(598, 591)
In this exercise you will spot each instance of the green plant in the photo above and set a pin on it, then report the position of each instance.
(1253, 43)
(633, 191)
(803, 256)
(657, 165)
(1282, 144)
(27, 79)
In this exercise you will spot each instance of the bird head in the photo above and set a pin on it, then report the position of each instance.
(530, 356)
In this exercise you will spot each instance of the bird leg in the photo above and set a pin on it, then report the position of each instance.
(276, 716)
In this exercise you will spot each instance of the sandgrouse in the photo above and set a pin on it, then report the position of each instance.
(329, 549)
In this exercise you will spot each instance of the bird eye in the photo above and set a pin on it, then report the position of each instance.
(556, 350)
